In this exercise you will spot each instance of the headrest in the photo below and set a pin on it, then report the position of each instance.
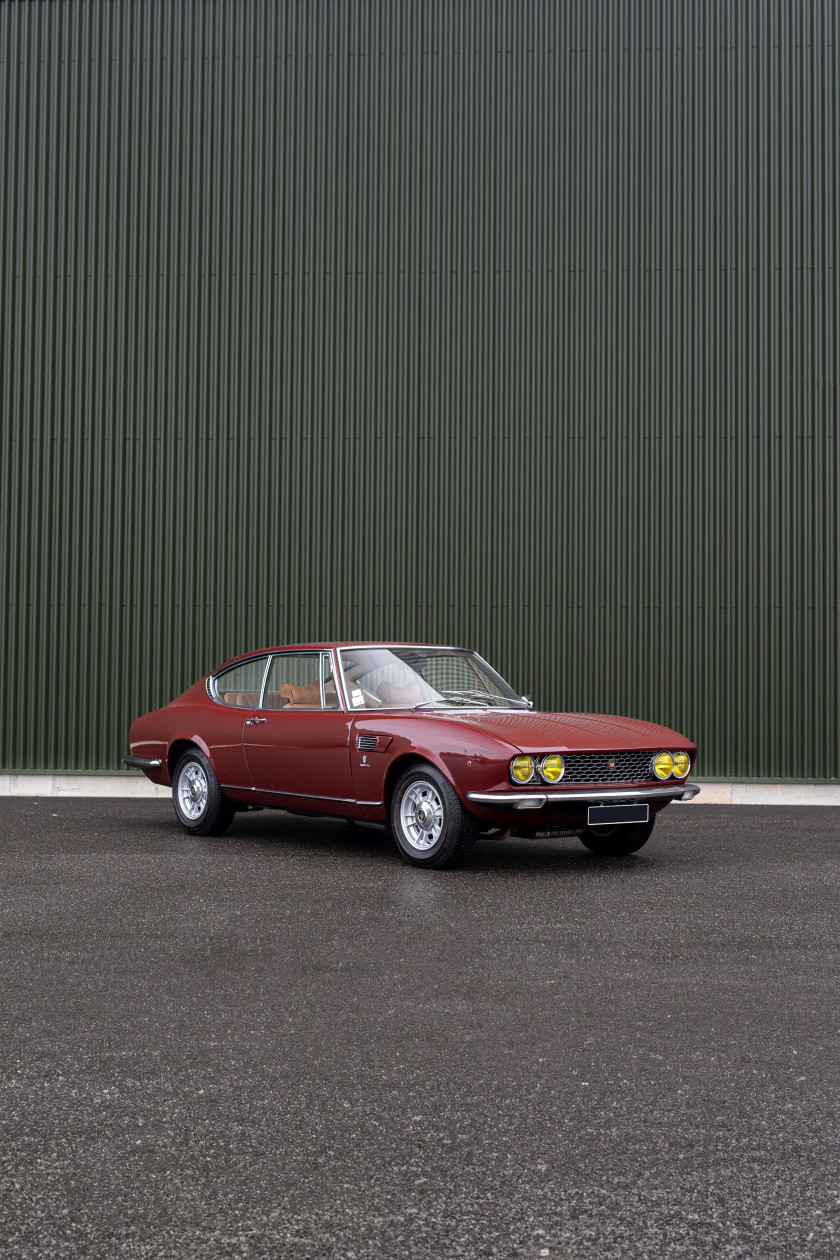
(310, 695)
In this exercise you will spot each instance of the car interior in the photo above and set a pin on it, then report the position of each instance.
(286, 694)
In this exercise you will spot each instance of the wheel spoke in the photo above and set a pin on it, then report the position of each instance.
(421, 815)
(192, 790)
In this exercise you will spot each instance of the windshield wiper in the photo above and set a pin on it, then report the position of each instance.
(470, 699)
(489, 699)
(445, 698)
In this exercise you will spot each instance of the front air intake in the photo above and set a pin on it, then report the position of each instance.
(366, 743)
(618, 767)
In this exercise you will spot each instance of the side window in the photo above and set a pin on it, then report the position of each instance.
(241, 685)
(294, 682)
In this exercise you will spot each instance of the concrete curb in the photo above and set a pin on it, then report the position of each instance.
(130, 785)
(123, 785)
(768, 794)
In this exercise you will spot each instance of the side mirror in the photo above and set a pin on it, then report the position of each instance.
(528, 701)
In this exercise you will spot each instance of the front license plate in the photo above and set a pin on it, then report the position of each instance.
(609, 815)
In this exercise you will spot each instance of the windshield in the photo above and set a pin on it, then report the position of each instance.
(410, 677)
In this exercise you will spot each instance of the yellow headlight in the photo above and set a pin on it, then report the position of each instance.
(663, 764)
(551, 768)
(682, 764)
(522, 769)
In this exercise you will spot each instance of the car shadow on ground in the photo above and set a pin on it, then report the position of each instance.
(273, 829)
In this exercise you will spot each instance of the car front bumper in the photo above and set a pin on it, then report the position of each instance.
(590, 796)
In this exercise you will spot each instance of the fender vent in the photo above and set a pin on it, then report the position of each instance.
(366, 742)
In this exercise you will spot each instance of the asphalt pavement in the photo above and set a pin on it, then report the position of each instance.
(286, 1043)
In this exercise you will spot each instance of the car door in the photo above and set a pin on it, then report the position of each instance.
(297, 744)
(237, 693)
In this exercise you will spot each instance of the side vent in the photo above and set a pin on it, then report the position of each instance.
(366, 743)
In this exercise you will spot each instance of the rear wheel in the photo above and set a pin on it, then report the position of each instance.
(201, 806)
(431, 826)
(617, 841)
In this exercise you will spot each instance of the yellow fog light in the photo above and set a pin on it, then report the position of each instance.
(663, 765)
(682, 764)
(522, 769)
(551, 768)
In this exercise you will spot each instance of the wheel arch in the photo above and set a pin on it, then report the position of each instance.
(182, 744)
(399, 766)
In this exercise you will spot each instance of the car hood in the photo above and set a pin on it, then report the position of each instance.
(567, 732)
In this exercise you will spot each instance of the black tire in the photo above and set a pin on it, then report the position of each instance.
(423, 795)
(617, 841)
(209, 812)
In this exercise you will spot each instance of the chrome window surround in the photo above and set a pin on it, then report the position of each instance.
(324, 653)
(213, 681)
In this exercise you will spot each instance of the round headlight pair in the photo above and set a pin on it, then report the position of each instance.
(524, 769)
(666, 764)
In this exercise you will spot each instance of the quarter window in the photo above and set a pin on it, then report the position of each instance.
(241, 686)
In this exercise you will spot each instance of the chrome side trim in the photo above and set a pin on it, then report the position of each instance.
(142, 763)
(536, 800)
(344, 800)
(306, 796)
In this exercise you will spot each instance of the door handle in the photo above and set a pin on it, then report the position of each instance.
(253, 721)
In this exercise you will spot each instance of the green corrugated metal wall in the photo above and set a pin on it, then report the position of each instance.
(508, 324)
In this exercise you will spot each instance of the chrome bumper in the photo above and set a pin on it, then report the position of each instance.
(536, 800)
(142, 763)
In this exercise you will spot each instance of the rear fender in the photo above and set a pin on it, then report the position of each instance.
(176, 747)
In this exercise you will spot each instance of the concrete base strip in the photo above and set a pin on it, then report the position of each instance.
(130, 785)
(767, 794)
(125, 785)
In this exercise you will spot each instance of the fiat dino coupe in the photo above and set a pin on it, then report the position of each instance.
(429, 740)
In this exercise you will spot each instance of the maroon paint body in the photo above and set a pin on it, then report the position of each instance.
(308, 760)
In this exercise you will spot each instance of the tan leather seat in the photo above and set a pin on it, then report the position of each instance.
(307, 697)
(242, 699)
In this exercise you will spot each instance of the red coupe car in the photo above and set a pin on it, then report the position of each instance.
(430, 740)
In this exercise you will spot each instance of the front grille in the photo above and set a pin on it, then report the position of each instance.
(630, 767)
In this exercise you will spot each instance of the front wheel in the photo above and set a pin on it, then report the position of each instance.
(201, 806)
(617, 841)
(431, 826)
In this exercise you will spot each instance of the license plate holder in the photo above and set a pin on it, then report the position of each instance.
(611, 815)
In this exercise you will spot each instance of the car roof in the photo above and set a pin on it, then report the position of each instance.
(338, 643)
